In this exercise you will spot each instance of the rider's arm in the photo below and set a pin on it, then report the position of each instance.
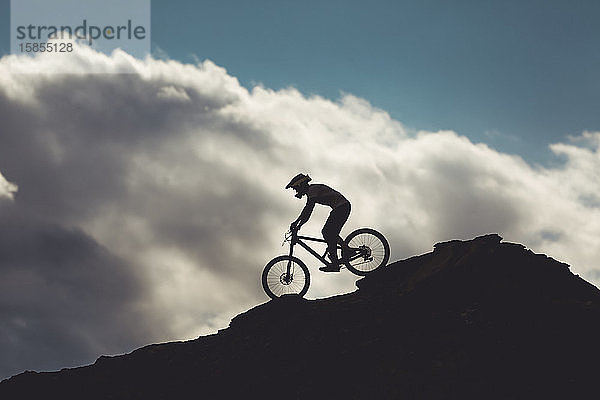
(305, 214)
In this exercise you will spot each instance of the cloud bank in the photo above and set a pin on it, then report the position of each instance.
(148, 203)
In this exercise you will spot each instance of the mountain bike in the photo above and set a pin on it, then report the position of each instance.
(363, 251)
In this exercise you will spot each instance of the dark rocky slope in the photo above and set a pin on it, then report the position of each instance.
(473, 319)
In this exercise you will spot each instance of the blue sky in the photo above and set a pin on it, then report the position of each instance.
(517, 75)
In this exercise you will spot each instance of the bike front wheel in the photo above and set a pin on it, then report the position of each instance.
(369, 250)
(285, 275)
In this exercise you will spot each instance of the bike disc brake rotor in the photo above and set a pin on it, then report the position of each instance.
(286, 279)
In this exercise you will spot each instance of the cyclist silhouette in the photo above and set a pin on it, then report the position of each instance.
(340, 211)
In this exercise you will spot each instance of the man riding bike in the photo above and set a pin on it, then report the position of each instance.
(340, 211)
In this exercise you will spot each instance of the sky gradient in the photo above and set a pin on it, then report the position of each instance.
(516, 75)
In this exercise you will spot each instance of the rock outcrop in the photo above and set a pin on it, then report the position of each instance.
(478, 319)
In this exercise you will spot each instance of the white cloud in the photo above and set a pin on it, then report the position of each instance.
(7, 189)
(180, 171)
(174, 94)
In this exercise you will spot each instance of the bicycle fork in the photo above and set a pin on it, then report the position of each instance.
(289, 275)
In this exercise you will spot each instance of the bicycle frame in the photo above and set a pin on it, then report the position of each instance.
(298, 239)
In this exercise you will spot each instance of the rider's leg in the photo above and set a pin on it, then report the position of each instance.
(345, 248)
(334, 266)
(331, 231)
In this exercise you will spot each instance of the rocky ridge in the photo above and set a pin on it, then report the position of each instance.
(479, 318)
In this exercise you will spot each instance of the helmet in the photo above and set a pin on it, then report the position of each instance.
(298, 180)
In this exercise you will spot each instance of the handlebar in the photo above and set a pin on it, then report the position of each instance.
(289, 236)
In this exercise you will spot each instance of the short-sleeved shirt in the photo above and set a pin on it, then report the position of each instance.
(323, 194)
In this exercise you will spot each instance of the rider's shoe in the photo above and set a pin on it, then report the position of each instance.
(330, 268)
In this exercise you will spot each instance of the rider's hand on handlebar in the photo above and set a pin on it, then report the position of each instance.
(294, 227)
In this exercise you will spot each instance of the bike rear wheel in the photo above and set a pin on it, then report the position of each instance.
(277, 282)
(370, 250)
